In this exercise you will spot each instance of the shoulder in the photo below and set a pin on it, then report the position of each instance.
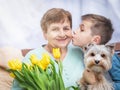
(115, 67)
(38, 52)
(115, 56)
(75, 50)
(115, 62)
(116, 59)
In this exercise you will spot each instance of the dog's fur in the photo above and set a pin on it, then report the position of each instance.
(97, 59)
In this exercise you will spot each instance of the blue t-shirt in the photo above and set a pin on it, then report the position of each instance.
(115, 72)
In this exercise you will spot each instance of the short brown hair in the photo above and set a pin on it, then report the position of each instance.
(55, 15)
(101, 26)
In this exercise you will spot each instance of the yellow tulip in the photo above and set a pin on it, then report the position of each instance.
(15, 64)
(12, 75)
(34, 60)
(45, 61)
(56, 53)
(29, 66)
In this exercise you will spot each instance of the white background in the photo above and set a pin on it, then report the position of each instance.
(20, 19)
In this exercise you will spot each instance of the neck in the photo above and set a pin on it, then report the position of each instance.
(63, 51)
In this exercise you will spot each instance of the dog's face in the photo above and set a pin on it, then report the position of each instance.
(98, 57)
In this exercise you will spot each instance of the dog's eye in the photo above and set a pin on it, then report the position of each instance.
(85, 48)
(92, 54)
(103, 55)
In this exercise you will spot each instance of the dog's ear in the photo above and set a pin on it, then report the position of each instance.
(87, 47)
(110, 47)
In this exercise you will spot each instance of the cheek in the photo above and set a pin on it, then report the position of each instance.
(45, 35)
(85, 37)
(77, 35)
(49, 36)
(69, 33)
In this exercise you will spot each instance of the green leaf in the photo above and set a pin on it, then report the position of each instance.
(53, 85)
(28, 76)
(27, 86)
(38, 77)
(18, 76)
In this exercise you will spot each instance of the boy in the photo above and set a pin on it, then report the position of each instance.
(97, 29)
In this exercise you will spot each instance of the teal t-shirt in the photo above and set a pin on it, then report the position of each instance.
(72, 65)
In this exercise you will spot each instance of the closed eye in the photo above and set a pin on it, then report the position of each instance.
(82, 27)
(55, 29)
(66, 28)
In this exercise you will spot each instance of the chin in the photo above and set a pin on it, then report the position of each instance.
(74, 43)
(62, 45)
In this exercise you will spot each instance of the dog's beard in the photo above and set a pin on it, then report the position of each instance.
(97, 68)
(102, 66)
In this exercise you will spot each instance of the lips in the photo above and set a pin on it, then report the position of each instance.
(63, 39)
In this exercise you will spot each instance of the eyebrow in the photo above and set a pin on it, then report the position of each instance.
(67, 26)
(54, 27)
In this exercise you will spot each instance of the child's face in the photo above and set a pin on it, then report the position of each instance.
(59, 34)
(82, 35)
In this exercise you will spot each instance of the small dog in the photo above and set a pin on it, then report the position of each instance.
(97, 59)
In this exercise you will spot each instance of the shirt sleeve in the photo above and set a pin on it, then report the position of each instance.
(115, 71)
(15, 85)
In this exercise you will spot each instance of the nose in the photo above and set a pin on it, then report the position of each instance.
(62, 33)
(74, 32)
(97, 62)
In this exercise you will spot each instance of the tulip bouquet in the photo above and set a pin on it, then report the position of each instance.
(40, 74)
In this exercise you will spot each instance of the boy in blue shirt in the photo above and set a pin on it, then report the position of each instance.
(98, 29)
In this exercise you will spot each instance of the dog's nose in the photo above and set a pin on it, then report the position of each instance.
(96, 61)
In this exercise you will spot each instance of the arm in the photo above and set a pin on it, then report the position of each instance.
(115, 71)
(8, 53)
(15, 84)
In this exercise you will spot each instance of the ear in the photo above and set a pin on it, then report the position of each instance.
(110, 47)
(87, 47)
(45, 35)
(96, 39)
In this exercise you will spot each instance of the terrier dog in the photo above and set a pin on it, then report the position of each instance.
(97, 59)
